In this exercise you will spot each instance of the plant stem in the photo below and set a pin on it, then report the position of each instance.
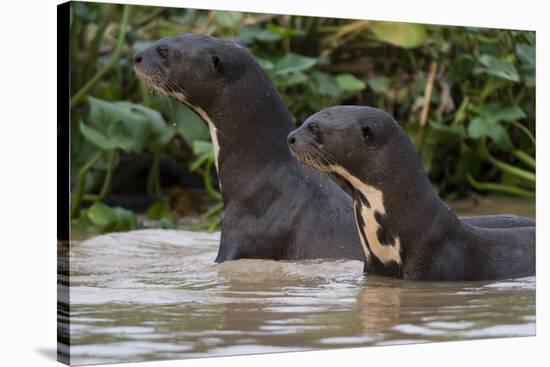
(426, 105)
(490, 186)
(208, 182)
(460, 114)
(103, 16)
(525, 158)
(154, 176)
(112, 157)
(213, 210)
(75, 207)
(525, 130)
(503, 166)
(79, 96)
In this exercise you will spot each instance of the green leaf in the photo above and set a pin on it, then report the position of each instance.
(167, 223)
(292, 62)
(158, 211)
(265, 63)
(204, 151)
(101, 215)
(128, 126)
(500, 136)
(153, 117)
(125, 220)
(325, 84)
(296, 78)
(349, 83)
(188, 124)
(406, 35)
(130, 137)
(500, 69)
(95, 137)
(266, 35)
(379, 84)
(510, 114)
(493, 112)
(526, 54)
(161, 141)
(228, 19)
(479, 127)
(202, 147)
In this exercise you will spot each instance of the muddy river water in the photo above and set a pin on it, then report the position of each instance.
(156, 294)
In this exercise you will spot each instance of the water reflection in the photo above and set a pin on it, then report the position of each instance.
(156, 294)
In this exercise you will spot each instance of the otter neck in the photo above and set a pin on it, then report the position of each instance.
(394, 217)
(248, 125)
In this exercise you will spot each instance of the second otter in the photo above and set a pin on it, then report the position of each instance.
(407, 231)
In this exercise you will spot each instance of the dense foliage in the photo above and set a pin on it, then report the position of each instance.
(465, 96)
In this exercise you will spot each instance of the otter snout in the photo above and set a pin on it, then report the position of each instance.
(138, 58)
(296, 142)
(291, 139)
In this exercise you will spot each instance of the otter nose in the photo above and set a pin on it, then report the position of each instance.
(138, 58)
(291, 139)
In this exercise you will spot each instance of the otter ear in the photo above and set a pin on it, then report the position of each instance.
(366, 132)
(217, 64)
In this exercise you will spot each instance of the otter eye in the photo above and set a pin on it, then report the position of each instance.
(313, 128)
(367, 133)
(217, 63)
(162, 51)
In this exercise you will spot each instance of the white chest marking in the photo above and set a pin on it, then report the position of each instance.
(385, 253)
(213, 134)
(211, 127)
(357, 210)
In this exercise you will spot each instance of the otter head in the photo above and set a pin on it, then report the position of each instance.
(193, 69)
(350, 140)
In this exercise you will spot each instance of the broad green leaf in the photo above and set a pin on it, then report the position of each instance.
(160, 142)
(153, 117)
(104, 113)
(204, 151)
(292, 63)
(202, 147)
(349, 83)
(265, 63)
(493, 112)
(228, 19)
(130, 136)
(158, 211)
(266, 35)
(500, 69)
(249, 34)
(510, 114)
(95, 137)
(406, 35)
(296, 78)
(127, 125)
(479, 127)
(101, 215)
(188, 124)
(167, 223)
(125, 220)
(325, 83)
(500, 136)
(379, 84)
(526, 54)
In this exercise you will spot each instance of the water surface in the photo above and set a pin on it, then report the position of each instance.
(156, 294)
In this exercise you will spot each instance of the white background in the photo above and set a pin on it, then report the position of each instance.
(28, 181)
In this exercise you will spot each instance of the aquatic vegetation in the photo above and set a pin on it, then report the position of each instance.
(466, 97)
